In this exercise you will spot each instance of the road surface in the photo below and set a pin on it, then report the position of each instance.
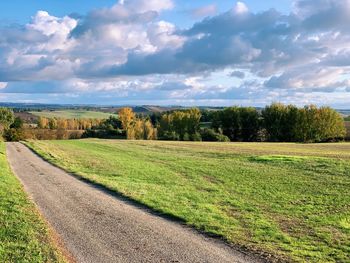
(97, 226)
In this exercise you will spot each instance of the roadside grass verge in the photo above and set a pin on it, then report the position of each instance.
(24, 237)
(293, 206)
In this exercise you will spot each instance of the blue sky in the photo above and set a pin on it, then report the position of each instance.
(175, 52)
(20, 11)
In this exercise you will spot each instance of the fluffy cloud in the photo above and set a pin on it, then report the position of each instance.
(240, 8)
(128, 49)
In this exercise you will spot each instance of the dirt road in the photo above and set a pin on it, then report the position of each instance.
(96, 226)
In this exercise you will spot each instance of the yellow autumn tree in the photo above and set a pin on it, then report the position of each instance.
(127, 117)
(43, 123)
(149, 131)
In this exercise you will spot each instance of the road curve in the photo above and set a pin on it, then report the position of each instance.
(98, 227)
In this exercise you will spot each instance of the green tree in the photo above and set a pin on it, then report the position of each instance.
(6, 118)
(180, 124)
(249, 124)
(17, 123)
(52, 124)
(229, 121)
(238, 123)
(274, 118)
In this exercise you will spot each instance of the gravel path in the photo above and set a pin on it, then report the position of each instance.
(96, 226)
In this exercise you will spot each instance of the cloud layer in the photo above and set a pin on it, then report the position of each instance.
(129, 51)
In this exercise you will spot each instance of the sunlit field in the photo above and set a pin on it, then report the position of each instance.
(73, 114)
(291, 201)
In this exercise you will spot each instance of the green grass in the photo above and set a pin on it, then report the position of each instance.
(23, 235)
(288, 200)
(73, 114)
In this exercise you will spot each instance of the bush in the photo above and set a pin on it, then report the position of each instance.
(210, 135)
(104, 134)
(223, 138)
(13, 135)
(186, 137)
(196, 137)
(170, 136)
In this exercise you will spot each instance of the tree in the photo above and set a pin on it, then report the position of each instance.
(17, 123)
(165, 126)
(319, 125)
(193, 120)
(180, 124)
(6, 118)
(15, 131)
(126, 116)
(238, 123)
(43, 123)
(249, 124)
(274, 117)
(229, 121)
(138, 128)
(62, 124)
(150, 133)
(52, 124)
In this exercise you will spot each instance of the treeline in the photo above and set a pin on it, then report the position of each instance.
(280, 123)
(307, 124)
(275, 123)
(128, 125)
(67, 124)
(14, 129)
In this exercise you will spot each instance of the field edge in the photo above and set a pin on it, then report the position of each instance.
(49, 236)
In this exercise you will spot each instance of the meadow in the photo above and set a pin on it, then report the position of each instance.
(290, 201)
(73, 114)
(24, 237)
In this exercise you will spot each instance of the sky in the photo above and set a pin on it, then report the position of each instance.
(175, 52)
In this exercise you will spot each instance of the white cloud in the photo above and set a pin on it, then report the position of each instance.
(240, 8)
(148, 5)
(3, 85)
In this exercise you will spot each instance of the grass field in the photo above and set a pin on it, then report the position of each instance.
(23, 235)
(291, 201)
(73, 114)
